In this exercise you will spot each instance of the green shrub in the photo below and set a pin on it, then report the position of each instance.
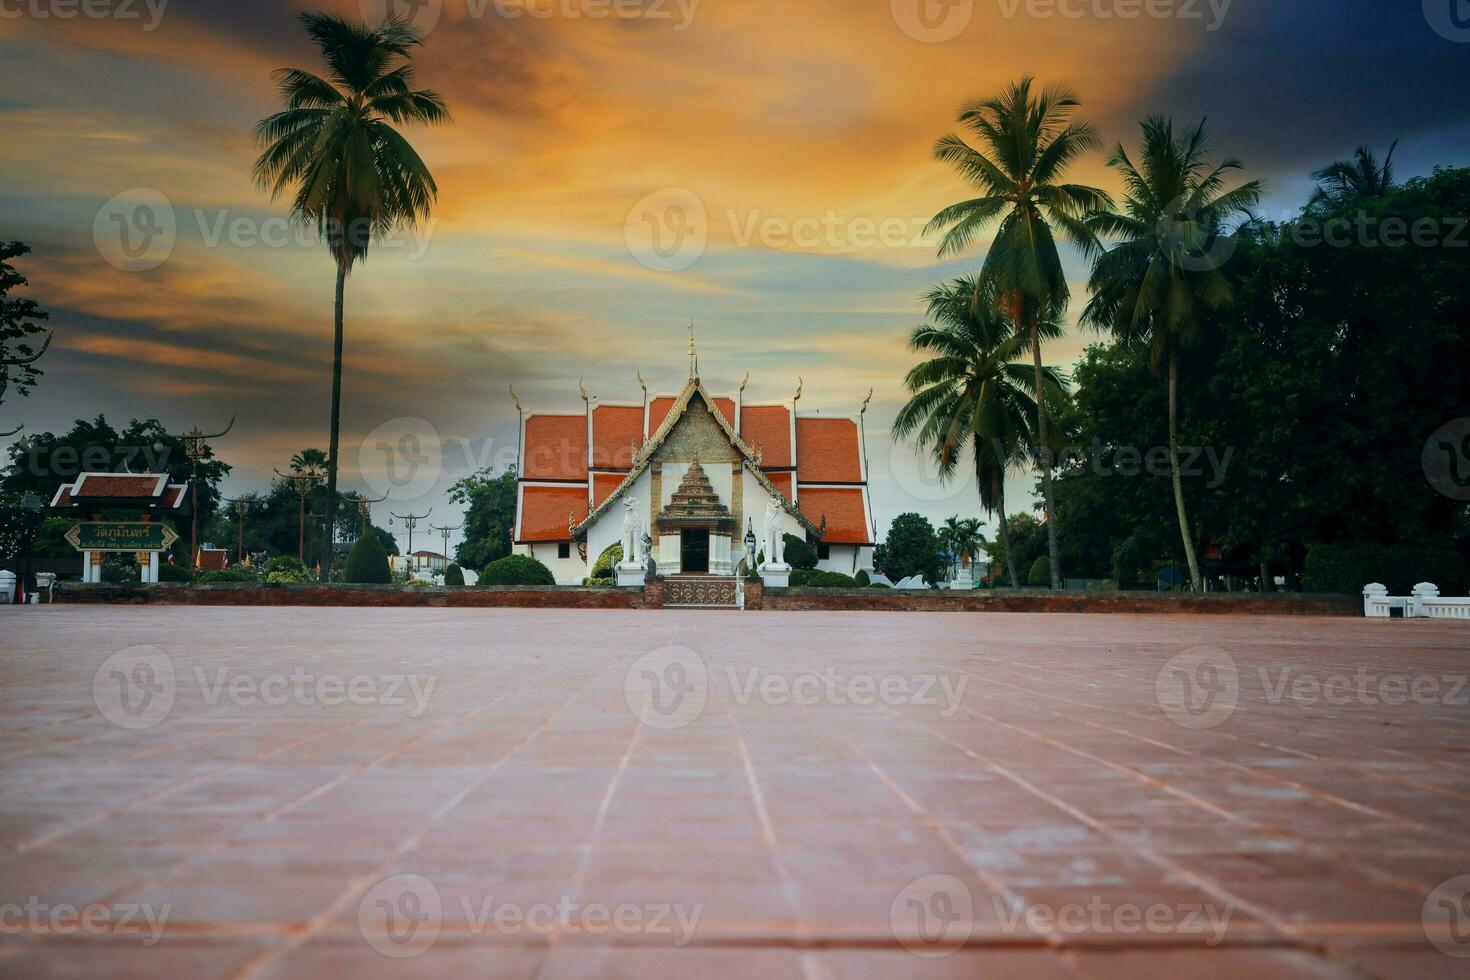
(603, 566)
(287, 570)
(799, 554)
(879, 585)
(367, 562)
(225, 575)
(811, 578)
(600, 582)
(453, 575)
(1040, 574)
(517, 570)
(862, 578)
(1347, 568)
(174, 573)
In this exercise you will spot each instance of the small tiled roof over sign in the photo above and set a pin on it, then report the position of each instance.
(108, 490)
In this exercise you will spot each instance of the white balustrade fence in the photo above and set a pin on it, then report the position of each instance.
(1425, 603)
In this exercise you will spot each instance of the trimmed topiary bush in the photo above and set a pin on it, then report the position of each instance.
(453, 575)
(811, 578)
(1040, 574)
(799, 554)
(174, 573)
(862, 579)
(225, 575)
(367, 562)
(517, 570)
(287, 570)
(602, 568)
(1338, 568)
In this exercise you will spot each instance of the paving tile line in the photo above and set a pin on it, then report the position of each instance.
(1206, 884)
(1369, 771)
(1240, 767)
(163, 792)
(296, 937)
(1371, 871)
(211, 929)
(1145, 680)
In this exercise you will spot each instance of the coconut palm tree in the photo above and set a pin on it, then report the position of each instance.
(961, 538)
(1027, 139)
(1360, 178)
(335, 150)
(1163, 279)
(308, 460)
(975, 392)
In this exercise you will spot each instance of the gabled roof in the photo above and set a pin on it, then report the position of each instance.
(671, 418)
(120, 489)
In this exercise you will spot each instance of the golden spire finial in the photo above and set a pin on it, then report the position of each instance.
(514, 398)
(799, 385)
(693, 357)
(864, 409)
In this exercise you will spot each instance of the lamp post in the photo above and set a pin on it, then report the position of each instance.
(242, 508)
(365, 511)
(445, 531)
(194, 451)
(303, 481)
(411, 521)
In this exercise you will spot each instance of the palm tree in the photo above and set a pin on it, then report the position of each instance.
(309, 460)
(1027, 140)
(977, 391)
(1160, 282)
(1360, 178)
(961, 538)
(335, 150)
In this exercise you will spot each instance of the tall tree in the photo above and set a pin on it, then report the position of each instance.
(1158, 285)
(961, 537)
(975, 392)
(1027, 139)
(489, 520)
(1357, 179)
(20, 323)
(350, 172)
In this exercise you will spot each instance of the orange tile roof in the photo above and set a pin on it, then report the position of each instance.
(847, 518)
(616, 429)
(62, 497)
(114, 485)
(544, 512)
(173, 495)
(658, 410)
(782, 482)
(727, 409)
(768, 429)
(827, 451)
(556, 448)
(603, 484)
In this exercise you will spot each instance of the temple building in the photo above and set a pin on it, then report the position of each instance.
(696, 473)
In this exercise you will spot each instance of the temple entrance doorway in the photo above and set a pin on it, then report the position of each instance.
(694, 551)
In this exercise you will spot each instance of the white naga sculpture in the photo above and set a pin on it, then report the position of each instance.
(775, 542)
(632, 531)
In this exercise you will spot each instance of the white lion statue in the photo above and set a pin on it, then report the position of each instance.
(632, 531)
(775, 540)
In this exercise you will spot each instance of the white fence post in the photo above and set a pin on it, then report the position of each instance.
(1375, 600)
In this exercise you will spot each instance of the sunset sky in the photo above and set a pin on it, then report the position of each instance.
(802, 130)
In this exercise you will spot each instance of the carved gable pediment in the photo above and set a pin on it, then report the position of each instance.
(697, 437)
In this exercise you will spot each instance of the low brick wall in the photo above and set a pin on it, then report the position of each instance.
(237, 594)
(756, 597)
(1041, 600)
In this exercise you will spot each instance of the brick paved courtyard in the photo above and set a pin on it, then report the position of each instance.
(202, 792)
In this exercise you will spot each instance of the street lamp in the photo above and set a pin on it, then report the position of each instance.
(303, 481)
(194, 451)
(242, 507)
(365, 510)
(445, 531)
(411, 521)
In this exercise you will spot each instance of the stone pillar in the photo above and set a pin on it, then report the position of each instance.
(89, 571)
(1424, 592)
(1375, 600)
(755, 594)
(151, 572)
